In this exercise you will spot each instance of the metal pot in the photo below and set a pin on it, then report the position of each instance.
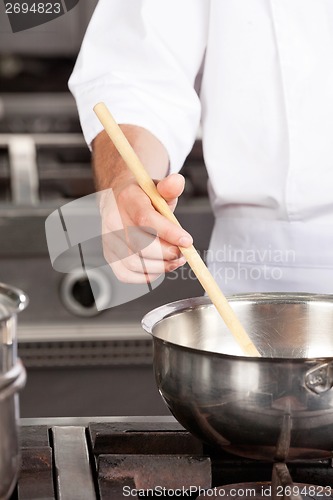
(12, 378)
(12, 301)
(277, 407)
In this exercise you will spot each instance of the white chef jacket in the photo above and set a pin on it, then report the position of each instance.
(266, 109)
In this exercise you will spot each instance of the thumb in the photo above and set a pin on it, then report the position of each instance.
(171, 188)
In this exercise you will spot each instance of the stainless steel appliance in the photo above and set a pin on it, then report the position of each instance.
(67, 347)
(12, 379)
(114, 458)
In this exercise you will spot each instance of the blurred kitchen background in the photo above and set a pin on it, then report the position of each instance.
(79, 362)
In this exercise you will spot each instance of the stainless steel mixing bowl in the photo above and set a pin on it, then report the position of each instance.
(277, 407)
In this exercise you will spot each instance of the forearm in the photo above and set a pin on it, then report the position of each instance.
(110, 169)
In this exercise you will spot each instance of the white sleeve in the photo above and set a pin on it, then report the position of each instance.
(141, 57)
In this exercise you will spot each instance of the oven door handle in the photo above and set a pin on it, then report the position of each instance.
(23, 170)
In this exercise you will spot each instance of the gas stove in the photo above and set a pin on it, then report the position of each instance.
(134, 457)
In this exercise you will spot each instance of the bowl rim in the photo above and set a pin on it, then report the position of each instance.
(159, 314)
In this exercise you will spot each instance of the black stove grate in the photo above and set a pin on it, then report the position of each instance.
(111, 460)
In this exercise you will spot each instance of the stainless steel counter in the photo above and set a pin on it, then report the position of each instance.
(83, 421)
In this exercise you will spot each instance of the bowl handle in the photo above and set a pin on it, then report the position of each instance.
(319, 379)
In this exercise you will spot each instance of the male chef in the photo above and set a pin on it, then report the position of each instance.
(258, 76)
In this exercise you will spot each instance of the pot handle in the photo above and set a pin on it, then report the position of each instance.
(319, 379)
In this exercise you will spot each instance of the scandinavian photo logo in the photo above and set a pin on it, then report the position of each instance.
(115, 261)
(26, 14)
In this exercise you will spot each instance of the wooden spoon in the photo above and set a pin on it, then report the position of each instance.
(193, 258)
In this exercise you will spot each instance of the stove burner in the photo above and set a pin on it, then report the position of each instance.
(115, 459)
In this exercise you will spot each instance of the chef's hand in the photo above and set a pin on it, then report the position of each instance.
(125, 206)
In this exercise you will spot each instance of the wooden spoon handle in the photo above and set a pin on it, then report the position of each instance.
(193, 258)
